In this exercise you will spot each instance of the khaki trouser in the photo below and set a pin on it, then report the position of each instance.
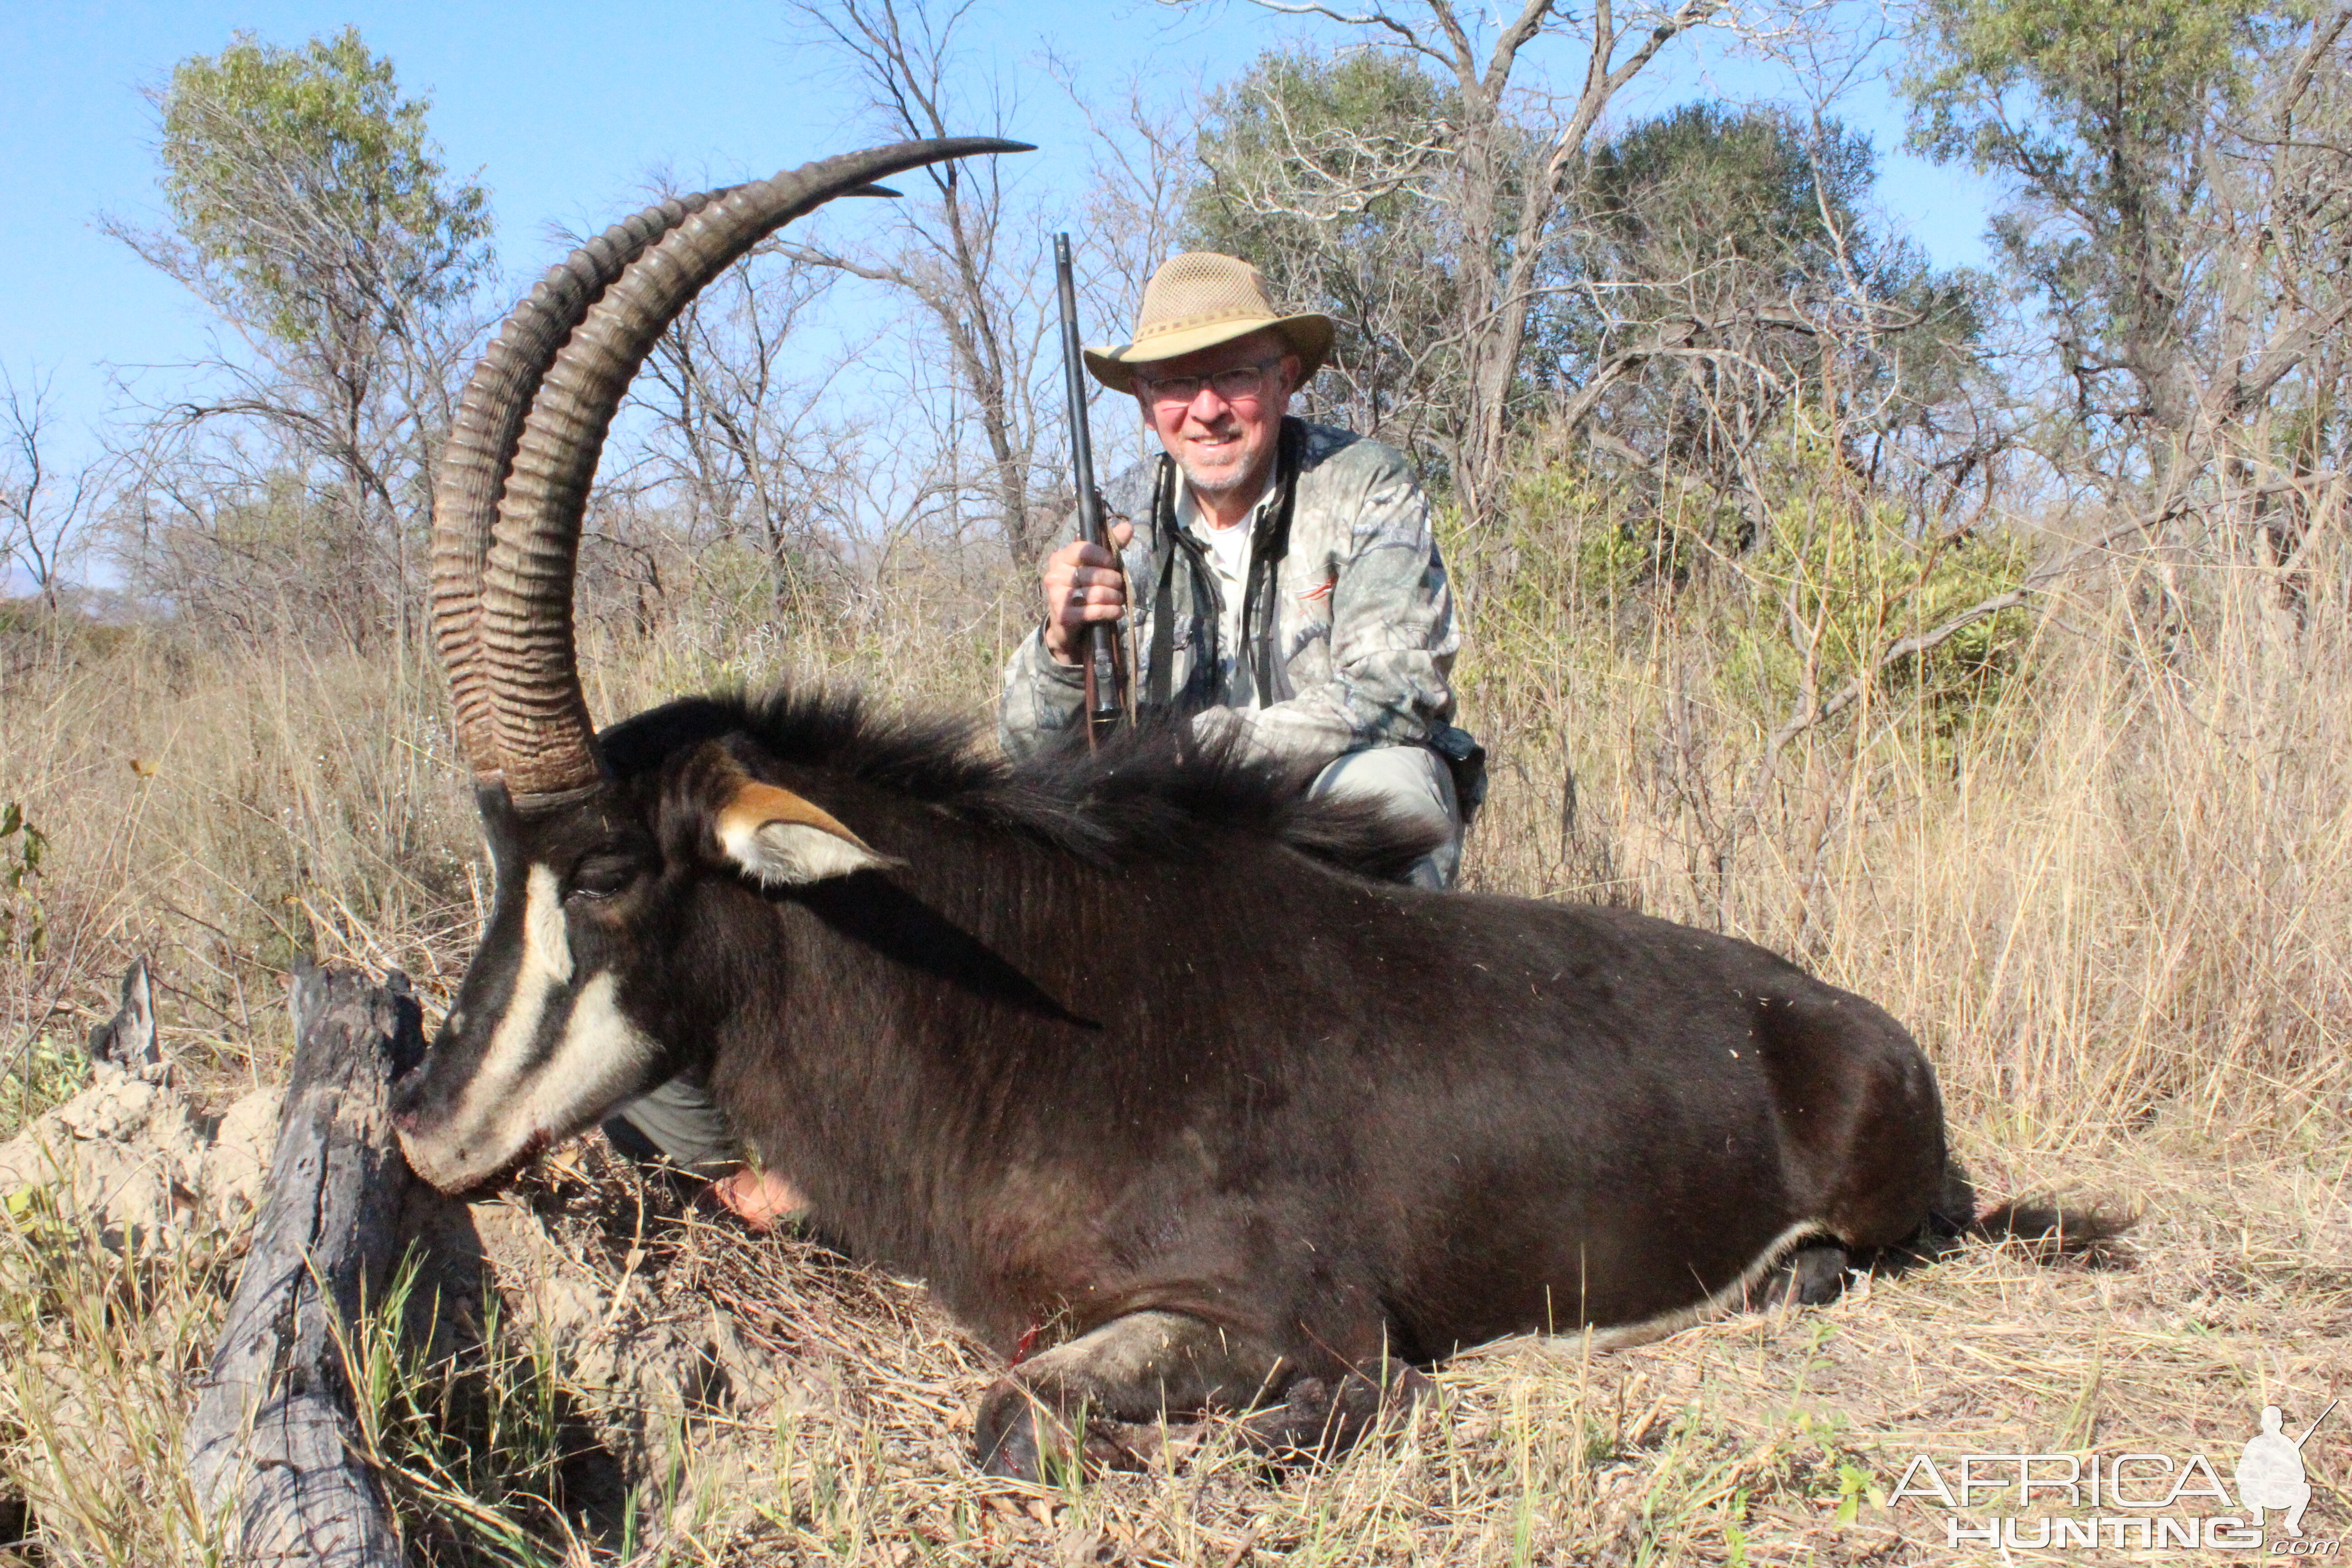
(1413, 783)
(679, 1122)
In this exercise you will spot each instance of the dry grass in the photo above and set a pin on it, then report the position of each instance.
(2115, 890)
(2113, 896)
(1768, 1438)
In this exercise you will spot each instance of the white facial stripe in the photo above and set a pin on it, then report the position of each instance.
(542, 924)
(596, 1063)
(542, 968)
(545, 965)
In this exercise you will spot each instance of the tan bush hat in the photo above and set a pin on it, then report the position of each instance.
(1197, 301)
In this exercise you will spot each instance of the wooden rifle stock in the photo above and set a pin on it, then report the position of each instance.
(1099, 656)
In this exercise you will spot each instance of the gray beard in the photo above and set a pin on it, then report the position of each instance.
(1247, 484)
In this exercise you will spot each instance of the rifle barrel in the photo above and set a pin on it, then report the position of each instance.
(1105, 707)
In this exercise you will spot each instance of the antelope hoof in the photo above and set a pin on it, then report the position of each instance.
(1018, 1439)
(1319, 1420)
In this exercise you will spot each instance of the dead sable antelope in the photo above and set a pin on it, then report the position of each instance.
(1309, 1128)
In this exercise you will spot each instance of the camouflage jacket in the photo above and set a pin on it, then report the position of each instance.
(1347, 631)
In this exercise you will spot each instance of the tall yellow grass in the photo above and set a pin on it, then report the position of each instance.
(2103, 876)
(2106, 884)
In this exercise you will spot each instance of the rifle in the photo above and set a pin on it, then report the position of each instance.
(1105, 672)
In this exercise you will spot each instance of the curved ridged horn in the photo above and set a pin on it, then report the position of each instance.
(481, 447)
(545, 742)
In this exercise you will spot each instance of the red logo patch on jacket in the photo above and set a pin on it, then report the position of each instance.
(1320, 591)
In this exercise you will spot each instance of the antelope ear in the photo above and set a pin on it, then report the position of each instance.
(779, 839)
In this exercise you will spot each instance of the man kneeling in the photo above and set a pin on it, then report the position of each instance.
(1287, 585)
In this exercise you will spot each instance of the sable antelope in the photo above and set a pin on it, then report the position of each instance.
(1132, 1056)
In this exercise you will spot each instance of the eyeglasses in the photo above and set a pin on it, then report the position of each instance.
(1241, 383)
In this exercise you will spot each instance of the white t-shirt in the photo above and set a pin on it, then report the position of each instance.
(1228, 552)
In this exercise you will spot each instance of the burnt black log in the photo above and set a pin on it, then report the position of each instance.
(269, 1445)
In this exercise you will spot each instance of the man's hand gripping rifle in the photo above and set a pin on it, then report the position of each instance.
(1098, 652)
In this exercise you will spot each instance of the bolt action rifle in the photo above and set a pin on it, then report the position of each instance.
(1099, 655)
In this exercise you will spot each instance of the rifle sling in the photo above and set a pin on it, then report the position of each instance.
(1163, 623)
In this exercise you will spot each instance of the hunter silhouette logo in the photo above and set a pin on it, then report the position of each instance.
(2148, 1501)
(2270, 1472)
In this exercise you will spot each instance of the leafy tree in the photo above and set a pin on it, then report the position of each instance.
(309, 191)
(1321, 169)
(2180, 166)
(312, 213)
(1700, 272)
(1707, 182)
(1505, 177)
(1725, 269)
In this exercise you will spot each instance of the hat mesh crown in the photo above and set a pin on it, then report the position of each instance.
(1199, 287)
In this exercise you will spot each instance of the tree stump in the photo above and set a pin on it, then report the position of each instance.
(268, 1446)
(128, 1039)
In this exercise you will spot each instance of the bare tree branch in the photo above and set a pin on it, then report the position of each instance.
(41, 516)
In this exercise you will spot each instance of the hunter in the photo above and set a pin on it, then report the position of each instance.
(1294, 591)
(1289, 587)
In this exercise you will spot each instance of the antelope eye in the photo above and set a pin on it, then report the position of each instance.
(602, 875)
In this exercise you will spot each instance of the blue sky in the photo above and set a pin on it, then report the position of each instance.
(565, 110)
